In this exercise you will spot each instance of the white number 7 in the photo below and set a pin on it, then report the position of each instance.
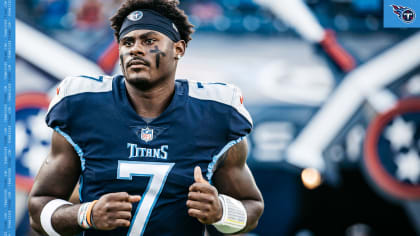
(157, 171)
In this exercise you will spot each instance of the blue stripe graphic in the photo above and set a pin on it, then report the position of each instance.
(7, 121)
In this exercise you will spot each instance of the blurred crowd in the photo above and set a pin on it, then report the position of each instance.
(237, 16)
(65, 14)
(83, 25)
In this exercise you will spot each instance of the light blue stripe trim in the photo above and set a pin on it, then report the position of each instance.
(80, 188)
(216, 158)
(68, 138)
(79, 153)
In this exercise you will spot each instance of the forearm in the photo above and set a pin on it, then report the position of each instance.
(63, 220)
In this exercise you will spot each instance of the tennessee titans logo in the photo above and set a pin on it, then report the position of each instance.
(407, 15)
(175, 28)
(135, 15)
(146, 135)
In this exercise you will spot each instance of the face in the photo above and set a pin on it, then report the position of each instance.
(148, 57)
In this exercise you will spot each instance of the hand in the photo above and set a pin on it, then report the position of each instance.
(113, 210)
(203, 201)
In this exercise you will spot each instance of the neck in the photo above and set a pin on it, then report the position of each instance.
(152, 102)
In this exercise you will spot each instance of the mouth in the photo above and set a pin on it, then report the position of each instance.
(137, 63)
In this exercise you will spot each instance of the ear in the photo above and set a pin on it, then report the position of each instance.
(179, 48)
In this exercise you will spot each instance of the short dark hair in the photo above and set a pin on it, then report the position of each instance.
(167, 8)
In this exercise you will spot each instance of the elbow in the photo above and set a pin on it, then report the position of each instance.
(31, 210)
(35, 226)
(34, 209)
(30, 207)
(254, 216)
(259, 209)
(32, 203)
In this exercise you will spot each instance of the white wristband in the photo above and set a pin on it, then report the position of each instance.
(234, 215)
(85, 216)
(82, 213)
(47, 213)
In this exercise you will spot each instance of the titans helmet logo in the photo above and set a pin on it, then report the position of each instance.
(135, 15)
(405, 14)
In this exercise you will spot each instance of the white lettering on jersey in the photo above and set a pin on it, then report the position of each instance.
(159, 153)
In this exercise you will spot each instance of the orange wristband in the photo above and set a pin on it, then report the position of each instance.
(89, 214)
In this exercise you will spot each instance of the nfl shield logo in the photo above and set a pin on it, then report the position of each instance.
(146, 134)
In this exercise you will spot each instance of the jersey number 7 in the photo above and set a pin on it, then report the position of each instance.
(157, 172)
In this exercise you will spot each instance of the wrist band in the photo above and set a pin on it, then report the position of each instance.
(234, 215)
(84, 218)
(47, 213)
(89, 215)
(81, 217)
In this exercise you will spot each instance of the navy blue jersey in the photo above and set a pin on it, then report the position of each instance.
(119, 151)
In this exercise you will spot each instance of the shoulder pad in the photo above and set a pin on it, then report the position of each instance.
(219, 92)
(73, 85)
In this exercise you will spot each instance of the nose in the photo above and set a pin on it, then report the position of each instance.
(137, 49)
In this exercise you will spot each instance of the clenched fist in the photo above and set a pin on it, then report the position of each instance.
(203, 202)
(113, 210)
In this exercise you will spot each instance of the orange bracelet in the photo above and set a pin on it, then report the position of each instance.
(89, 212)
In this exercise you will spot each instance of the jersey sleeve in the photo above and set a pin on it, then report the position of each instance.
(59, 110)
(65, 109)
(240, 123)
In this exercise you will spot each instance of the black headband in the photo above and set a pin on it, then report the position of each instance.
(149, 19)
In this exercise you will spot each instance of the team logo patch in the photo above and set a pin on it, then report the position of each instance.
(405, 14)
(146, 134)
(174, 26)
(135, 15)
(392, 150)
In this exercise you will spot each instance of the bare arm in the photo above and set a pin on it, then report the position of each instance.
(57, 179)
(233, 178)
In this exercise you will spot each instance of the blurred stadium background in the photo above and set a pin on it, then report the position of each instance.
(335, 145)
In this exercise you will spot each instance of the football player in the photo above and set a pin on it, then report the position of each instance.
(153, 155)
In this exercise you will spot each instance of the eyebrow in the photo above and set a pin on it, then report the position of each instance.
(143, 36)
(148, 34)
(126, 38)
